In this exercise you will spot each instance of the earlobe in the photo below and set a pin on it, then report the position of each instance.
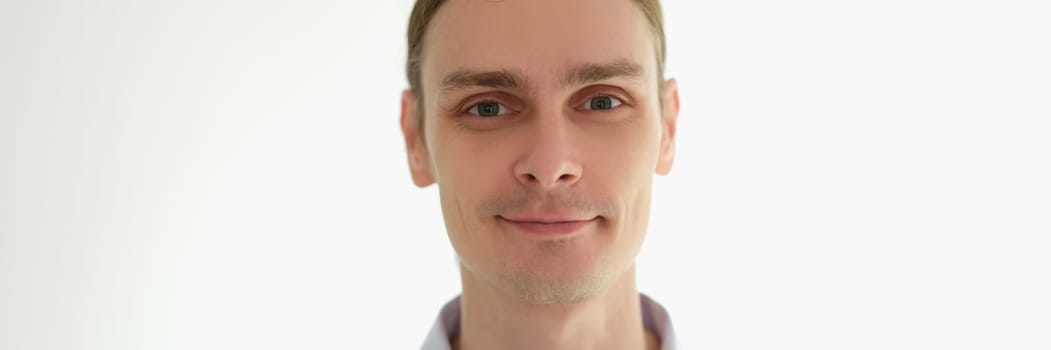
(415, 147)
(669, 116)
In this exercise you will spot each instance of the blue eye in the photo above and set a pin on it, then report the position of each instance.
(488, 109)
(601, 102)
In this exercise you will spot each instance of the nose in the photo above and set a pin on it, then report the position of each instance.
(551, 159)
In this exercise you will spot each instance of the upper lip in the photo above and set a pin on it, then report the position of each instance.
(547, 219)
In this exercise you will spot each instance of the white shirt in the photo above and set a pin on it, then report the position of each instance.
(447, 326)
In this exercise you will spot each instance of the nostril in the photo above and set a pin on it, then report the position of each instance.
(531, 178)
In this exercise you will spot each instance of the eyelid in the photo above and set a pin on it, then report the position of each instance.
(602, 90)
(586, 106)
(501, 98)
(473, 109)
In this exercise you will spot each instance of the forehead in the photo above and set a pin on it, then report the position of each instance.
(537, 37)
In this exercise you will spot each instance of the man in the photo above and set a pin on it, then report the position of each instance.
(542, 122)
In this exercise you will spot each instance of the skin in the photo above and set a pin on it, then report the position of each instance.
(541, 64)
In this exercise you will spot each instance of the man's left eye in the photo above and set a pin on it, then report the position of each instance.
(601, 102)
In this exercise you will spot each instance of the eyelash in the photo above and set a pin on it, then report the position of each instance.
(474, 107)
(618, 101)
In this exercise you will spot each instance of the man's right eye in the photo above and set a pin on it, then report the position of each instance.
(488, 109)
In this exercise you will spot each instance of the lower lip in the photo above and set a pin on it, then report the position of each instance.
(552, 228)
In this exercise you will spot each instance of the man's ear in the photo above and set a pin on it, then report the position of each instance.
(669, 115)
(416, 148)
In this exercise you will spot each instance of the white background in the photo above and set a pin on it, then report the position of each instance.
(229, 175)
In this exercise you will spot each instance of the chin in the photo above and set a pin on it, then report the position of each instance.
(555, 284)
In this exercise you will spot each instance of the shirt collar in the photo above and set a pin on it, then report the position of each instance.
(654, 317)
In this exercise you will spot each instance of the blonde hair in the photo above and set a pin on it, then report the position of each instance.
(424, 11)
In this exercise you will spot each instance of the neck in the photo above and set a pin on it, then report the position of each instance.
(612, 319)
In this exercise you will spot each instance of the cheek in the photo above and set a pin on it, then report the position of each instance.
(468, 174)
(471, 166)
(624, 156)
(622, 161)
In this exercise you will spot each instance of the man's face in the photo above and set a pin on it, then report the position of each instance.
(543, 130)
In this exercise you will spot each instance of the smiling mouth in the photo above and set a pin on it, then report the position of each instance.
(552, 227)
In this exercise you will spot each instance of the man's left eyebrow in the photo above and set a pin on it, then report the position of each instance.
(588, 73)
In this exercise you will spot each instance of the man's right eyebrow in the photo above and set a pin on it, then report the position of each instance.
(465, 78)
